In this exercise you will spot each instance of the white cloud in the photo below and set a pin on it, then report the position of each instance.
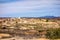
(26, 6)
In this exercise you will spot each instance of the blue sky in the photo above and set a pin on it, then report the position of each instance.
(29, 8)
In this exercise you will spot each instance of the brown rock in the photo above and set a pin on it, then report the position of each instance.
(2, 35)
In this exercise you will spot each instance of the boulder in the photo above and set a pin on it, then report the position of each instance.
(2, 35)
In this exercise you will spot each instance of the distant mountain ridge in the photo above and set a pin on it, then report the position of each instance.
(49, 17)
(42, 17)
(34, 17)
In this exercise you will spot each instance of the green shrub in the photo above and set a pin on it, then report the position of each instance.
(53, 33)
(47, 20)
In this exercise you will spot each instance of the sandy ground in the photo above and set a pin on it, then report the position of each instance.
(21, 38)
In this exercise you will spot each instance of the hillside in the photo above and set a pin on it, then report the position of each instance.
(34, 27)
